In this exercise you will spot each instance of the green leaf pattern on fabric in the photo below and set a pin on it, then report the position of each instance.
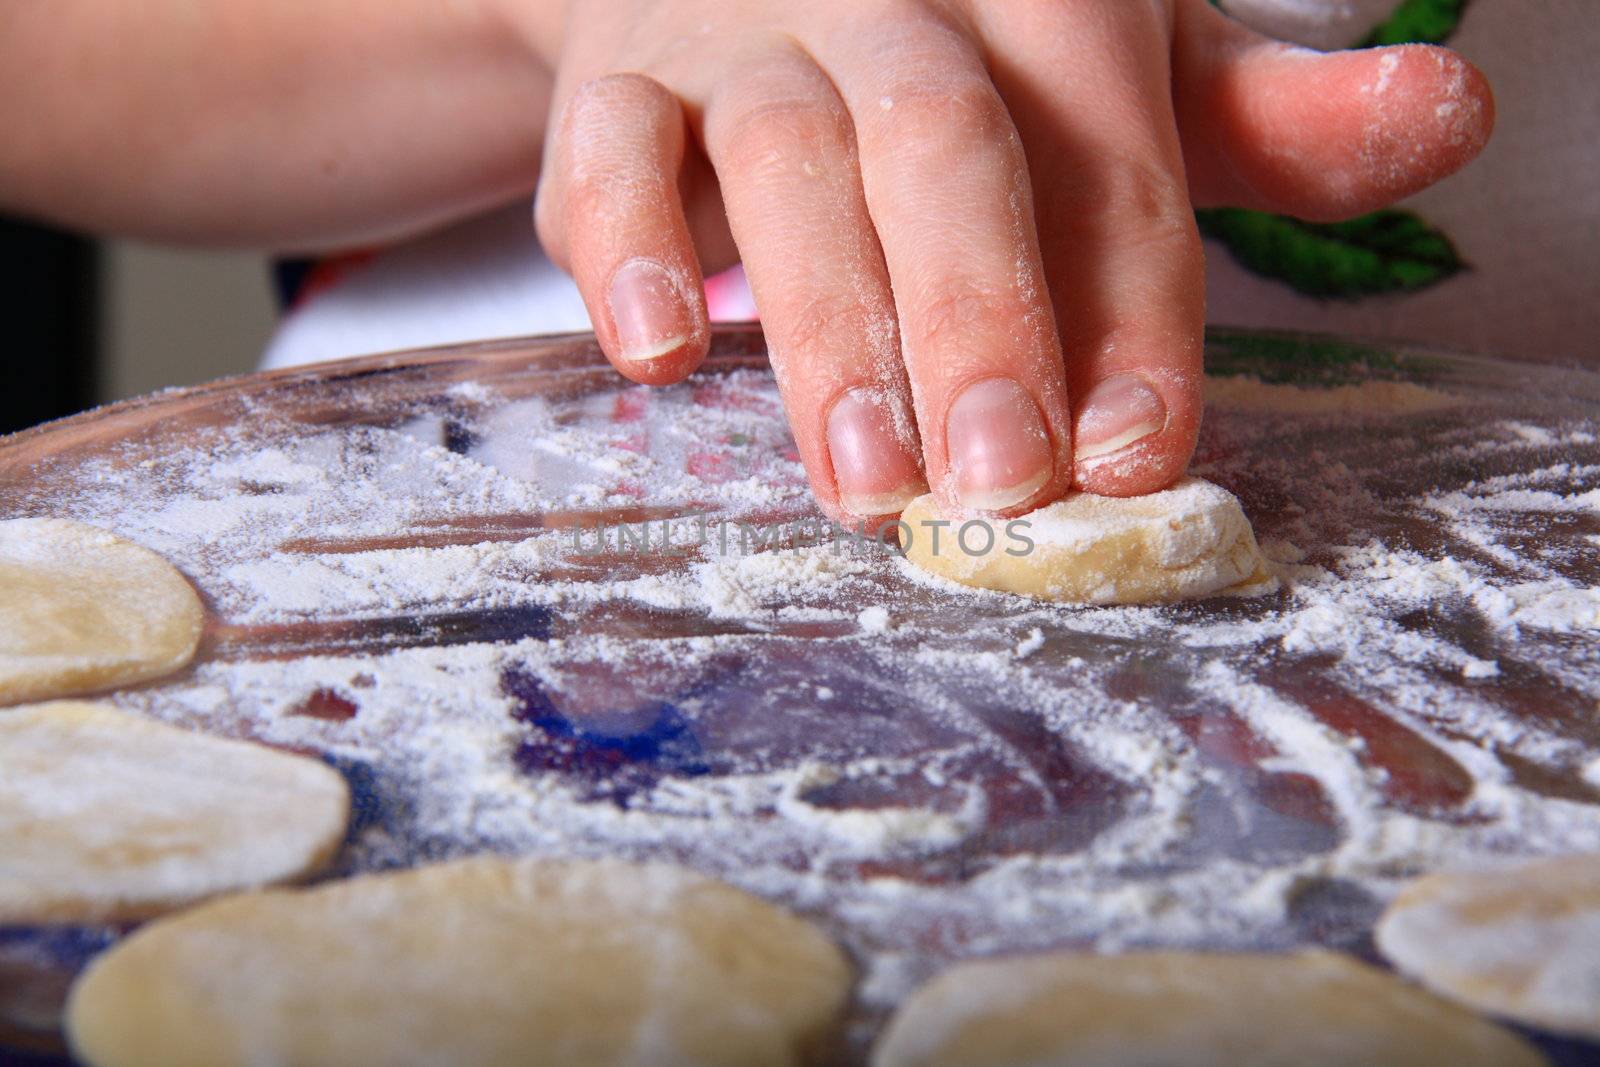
(1418, 22)
(1385, 252)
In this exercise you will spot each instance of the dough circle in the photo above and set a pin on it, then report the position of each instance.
(1190, 541)
(1523, 942)
(1174, 1009)
(82, 610)
(108, 817)
(484, 961)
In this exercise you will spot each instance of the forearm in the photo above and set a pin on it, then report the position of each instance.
(289, 124)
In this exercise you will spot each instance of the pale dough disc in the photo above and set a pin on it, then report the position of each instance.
(1173, 1009)
(486, 961)
(83, 610)
(1189, 541)
(105, 816)
(1523, 942)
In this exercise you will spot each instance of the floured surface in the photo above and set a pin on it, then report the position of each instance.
(479, 963)
(1522, 942)
(1185, 543)
(106, 816)
(934, 772)
(1167, 1009)
(82, 609)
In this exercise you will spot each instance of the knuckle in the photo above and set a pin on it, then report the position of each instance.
(769, 132)
(590, 196)
(962, 311)
(924, 111)
(810, 324)
(597, 100)
(931, 82)
(1135, 203)
(1172, 235)
(620, 142)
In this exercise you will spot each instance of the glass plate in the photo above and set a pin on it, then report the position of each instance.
(529, 607)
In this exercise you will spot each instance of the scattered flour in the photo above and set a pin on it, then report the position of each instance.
(1030, 644)
(875, 620)
(934, 772)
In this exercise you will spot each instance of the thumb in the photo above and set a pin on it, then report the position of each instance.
(1322, 136)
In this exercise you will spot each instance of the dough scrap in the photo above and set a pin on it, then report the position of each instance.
(1312, 1009)
(1190, 541)
(107, 817)
(483, 961)
(1523, 942)
(83, 610)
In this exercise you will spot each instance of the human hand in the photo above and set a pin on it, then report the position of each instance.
(968, 224)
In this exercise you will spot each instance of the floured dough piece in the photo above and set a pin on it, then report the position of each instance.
(1172, 1009)
(1189, 541)
(105, 816)
(486, 961)
(1523, 942)
(82, 610)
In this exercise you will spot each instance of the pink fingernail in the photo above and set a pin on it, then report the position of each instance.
(648, 311)
(1118, 412)
(874, 452)
(999, 449)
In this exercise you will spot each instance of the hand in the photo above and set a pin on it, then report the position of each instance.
(968, 224)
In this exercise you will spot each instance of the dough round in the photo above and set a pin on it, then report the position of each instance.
(486, 961)
(83, 610)
(1313, 1009)
(1189, 541)
(1523, 943)
(105, 816)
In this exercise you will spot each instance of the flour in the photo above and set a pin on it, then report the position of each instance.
(1030, 644)
(872, 832)
(575, 621)
(875, 620)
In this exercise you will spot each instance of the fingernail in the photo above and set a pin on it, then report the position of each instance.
(999, 450)
(648, 311)
(1117, 412)
(874, 453)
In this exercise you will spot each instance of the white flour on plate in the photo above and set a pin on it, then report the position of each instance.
(829, 728)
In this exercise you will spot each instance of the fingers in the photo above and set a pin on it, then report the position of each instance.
(1320, 136)
(1126, 270)
(784, 146)
(613, 207)
(946, 183)
(898, 239)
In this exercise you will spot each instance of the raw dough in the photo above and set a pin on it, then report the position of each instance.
(82, 610)
(1190, 541)
(1522, 942)
(1313, 1009)
(105, 816)
(486, 961)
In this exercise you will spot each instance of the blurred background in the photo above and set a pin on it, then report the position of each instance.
(121, 319)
